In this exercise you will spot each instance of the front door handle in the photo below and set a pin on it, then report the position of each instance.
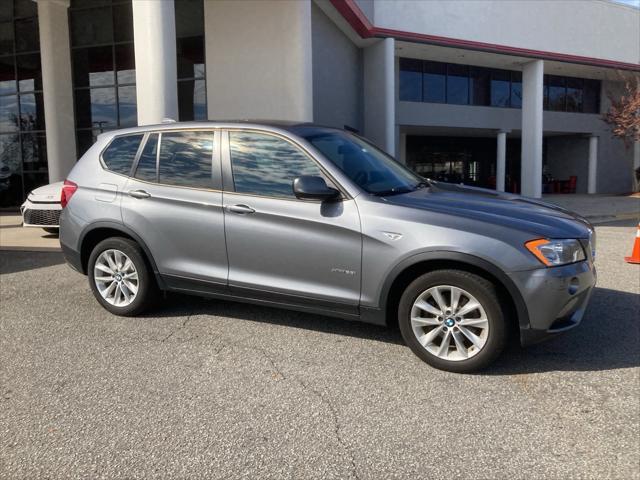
(139, 194)
(240, 209)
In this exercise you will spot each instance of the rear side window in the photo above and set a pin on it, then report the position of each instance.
(185, 159)
(146, 169)
(119, 155)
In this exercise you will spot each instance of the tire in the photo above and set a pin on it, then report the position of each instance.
(146, 293)
(467, 330)
(52, 231)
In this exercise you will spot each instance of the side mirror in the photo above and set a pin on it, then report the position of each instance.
(313, 188)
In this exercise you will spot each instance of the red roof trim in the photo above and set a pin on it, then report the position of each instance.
(361, 24)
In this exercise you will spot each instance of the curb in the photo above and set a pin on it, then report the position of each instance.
(13, 248)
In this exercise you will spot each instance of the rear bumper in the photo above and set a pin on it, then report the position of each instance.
(72, 257)
(556, 299)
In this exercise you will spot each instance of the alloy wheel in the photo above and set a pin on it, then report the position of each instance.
(449, 323)
(116, 278)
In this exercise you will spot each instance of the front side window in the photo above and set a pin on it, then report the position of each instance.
(185, 159)
(367, 166)
(119, 155)
(267, 165)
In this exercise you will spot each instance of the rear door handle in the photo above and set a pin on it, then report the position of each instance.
(240, 209)
(139, 194)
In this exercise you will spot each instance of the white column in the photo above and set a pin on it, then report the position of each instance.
(501, 160)
(55, 58)
(259, 60)
(593, 164)
(379, 94)
(531, 158)
(154, 31)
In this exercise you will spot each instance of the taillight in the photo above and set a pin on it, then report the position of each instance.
(68, 189)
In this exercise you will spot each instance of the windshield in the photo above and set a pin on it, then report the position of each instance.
(367, 166)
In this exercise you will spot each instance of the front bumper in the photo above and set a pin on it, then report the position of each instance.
(556, 298)
(40, 214)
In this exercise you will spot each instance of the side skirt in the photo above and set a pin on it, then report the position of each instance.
(266, 298)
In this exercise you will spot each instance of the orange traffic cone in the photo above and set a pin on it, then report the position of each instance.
(635, 254)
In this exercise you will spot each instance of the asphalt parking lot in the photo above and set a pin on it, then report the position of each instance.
(208, 389)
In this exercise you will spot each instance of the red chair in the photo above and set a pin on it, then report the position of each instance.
(569, 186)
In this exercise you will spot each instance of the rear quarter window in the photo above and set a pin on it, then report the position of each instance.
(119, 155)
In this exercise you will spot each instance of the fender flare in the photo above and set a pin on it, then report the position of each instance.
(127, 231)
(472, 260)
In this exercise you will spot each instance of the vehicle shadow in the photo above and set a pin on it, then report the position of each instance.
(12, 261)
(607, 339)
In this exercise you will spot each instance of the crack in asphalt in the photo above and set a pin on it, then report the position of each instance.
(173, 332)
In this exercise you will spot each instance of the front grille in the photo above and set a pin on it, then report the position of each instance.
(42, 217)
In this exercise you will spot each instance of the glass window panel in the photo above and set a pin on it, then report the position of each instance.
(146, 169)
(103, 108)
(93, 66)
(86, 138)
(34, 180)
(27, 37)
(10, 174)
(6, 38)
(267, 165)
(29, 72)
(591, 96)
(24, 8)
(6, 11)
(185, 159)
(189, 18)
(500, 88)
(457, 84)
(7, 76)
(557, 93)
(410, 80)
(34, 152)
(128, 107)
(31, 111)
(192, 100)
(480, 89)
(123, 22)
(125, 64)
(92, 26)
(119, 155)
(89, 3)
(435, 82)
(516, 89)
(190, 53)
(9, 114)
(574, 94)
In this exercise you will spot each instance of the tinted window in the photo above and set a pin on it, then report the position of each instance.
(185, 159)
(410, 80)
(435, 81)
(574, 94)
(457, 84)
(480, 92)
(557, 92)
(591, 97)
(119, 155)
(500, 88)
(267, 165)
(146, 169)
(516, 89)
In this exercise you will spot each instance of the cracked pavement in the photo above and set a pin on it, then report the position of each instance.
(208, 389)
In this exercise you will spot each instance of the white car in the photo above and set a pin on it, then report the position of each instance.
(42, 208)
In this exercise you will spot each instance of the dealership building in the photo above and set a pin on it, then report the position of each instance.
(499, 94)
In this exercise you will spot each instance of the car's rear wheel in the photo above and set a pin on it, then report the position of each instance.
(120, 277)
(453, 320)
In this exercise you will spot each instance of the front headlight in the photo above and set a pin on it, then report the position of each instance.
(556, 252)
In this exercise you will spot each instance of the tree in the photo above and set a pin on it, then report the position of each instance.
(623, 117)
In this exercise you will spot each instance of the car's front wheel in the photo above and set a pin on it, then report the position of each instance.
(453, 320)
(120, 278)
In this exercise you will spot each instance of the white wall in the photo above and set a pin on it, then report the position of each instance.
(589, 28)
(258, 57)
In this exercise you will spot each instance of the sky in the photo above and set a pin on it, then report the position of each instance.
(632, 3)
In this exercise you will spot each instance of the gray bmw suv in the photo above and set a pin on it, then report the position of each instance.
(319, 220)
